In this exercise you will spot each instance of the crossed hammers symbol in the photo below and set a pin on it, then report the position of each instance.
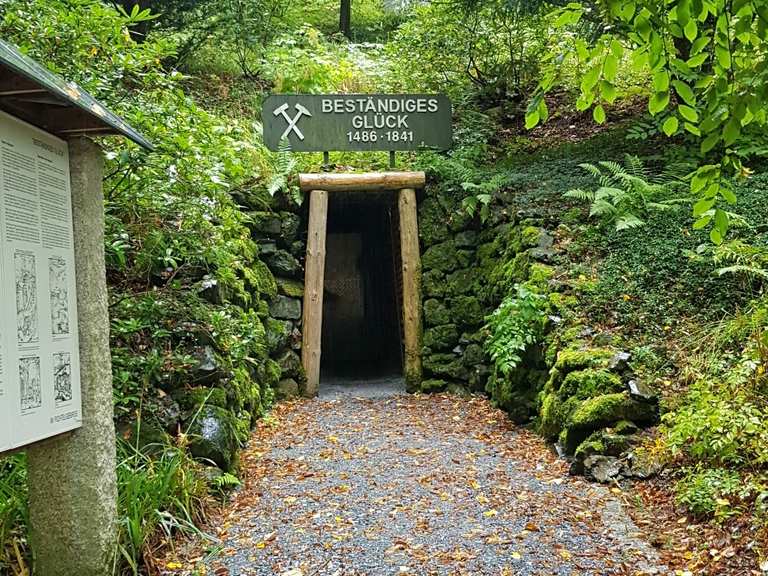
(292, 127)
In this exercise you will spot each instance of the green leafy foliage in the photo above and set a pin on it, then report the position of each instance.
(517, 323)
(493, 46)
(707, 68)
(14, 514)
(162, 495)
(709, 492)
(625, 196)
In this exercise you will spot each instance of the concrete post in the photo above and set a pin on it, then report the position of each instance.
(72, 478)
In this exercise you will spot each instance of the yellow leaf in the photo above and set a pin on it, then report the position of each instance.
(564, 554)
(490, 513)
(173, 565)
(474, 484)
(515, 556)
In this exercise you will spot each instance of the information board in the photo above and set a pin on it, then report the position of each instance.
(39, 361)
(357, 122)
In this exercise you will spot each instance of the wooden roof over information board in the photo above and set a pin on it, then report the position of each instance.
(36, 95)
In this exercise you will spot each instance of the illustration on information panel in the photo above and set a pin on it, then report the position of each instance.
(26, 297)
(29, 379)
(62, 377)
(57, 284)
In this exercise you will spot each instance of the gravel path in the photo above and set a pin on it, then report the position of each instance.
(417, 485)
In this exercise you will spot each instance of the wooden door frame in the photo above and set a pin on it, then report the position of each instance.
(318, 186)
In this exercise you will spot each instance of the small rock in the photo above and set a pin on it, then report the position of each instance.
(290, 364)
(285, 308)
(213, 437)
(602, 469)
(466, 239)
(457, 390)
(264, 223)
(620, 361)
(267, 248)
(287, 389)
(642, 392)
(282, 263)
(207, 369)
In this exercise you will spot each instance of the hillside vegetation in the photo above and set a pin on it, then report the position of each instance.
(595, 245)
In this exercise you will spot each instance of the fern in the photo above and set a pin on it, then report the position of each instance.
(626, 193)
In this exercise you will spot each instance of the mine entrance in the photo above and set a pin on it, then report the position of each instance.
(363, 242)
(362, 326)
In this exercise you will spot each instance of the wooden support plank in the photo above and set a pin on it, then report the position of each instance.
(368, 182)
(411, 265)
(313, 290)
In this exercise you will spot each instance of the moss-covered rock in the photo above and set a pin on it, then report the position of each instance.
(466, 239)
(555, 413)
(264, 223)
(262, 279)
(432, 218)
(278, 334)
(625, 427)
(287, 389)
(145, 437)
(540, 274)
(458, 390)
(466, 310)
(433, 385)
(433, 283)
(289, 226)
(285, 308)
(573, 358)
(447, 366)
(270, 372)
(460, 282)
(290, 364)
(473, 355)
(590, 382)
(601, 412)
(442, 337)
(530, 236)
(283, 263)
(604, 443)
(290, 288)
(465, 258)
(435, 313)
(190, 397)
(443, 257)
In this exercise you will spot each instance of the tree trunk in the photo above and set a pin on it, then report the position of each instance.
(345, 18)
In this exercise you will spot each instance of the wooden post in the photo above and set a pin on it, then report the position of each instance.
(313, 290)
(411, 261)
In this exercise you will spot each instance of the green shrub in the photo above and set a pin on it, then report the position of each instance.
(711, 492)
(517, 323)
(14, 514)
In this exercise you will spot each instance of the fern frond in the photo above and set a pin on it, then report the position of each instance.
(601, 208)
(592, 170)
(628, 221)
(579, 194)
(742, 269)
(635, 166)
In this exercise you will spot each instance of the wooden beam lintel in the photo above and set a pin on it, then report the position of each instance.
(367, 182)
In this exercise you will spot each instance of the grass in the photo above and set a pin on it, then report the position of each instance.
(160, 496)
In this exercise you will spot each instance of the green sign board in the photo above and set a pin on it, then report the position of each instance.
(357, 122)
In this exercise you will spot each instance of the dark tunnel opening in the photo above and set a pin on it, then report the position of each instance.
(361, 334)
